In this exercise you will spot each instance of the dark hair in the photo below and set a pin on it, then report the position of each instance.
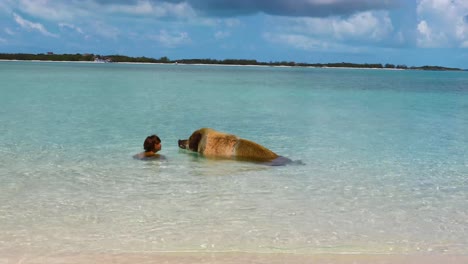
(194, 140)
(150, 141)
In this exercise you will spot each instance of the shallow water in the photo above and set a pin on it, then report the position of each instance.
(384, 152)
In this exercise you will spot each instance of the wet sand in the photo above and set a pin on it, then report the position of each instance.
(233, 258)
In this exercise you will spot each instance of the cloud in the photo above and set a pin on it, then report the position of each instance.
(102, 29)
(171, 40)
(141, 7)
(26, 24)
(232, 22)
(222, 34)
(223, 8)
(361, 27)
(194, 10)
(442, 23)
(71, 27)
(306, 8)
(9, 31)
(366, 25)
(5, 6)
(2, 40)
(51, 9)
(430, 37)
(66, 10)
(425, 35)
(150, 8)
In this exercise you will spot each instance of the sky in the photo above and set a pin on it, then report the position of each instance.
(400, 32)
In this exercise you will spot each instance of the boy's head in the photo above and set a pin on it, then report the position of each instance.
(152, 143)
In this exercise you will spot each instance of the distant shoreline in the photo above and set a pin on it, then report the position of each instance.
(201, 64)
(91, 58)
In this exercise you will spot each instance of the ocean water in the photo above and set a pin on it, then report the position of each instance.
(384, 160)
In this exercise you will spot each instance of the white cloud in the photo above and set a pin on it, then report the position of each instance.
(9, 31)
(104, 30)
(181, 10)
(427, 38)
(171, 40)
(312, 33)
(216, 22)
(49, 9)
(2, 40)
(141, 7)
(26, 24)
(232, 22)
(5, 5)
(226, 25)
(442, 23)
(146, 7)
(399, 37)
(370, 26)
(71, 27)
(222, 34)
(60, 10)
(364, 25)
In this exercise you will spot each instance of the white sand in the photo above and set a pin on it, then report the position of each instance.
(233, 258)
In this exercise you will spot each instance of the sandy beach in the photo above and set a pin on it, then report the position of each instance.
(233, 258)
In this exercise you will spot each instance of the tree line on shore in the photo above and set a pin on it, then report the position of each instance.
(121, 58)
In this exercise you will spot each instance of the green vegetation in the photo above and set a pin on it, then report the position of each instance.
(120, 58)
(47, 57)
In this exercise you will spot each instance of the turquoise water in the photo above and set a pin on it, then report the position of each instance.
(384, 152)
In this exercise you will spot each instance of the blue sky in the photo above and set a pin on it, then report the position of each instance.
(411, 32)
